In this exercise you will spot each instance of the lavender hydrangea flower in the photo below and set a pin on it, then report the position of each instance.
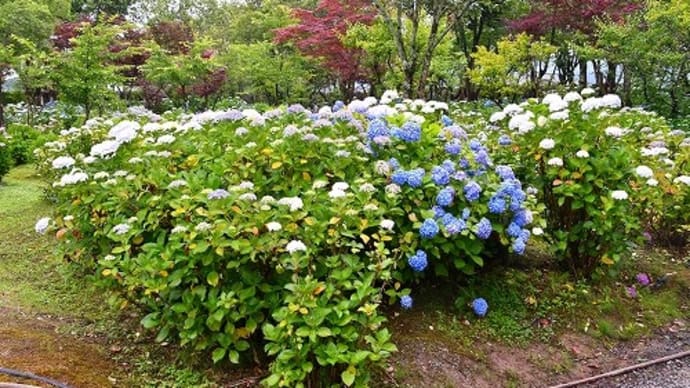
(453, 147)
(218, 194)
(505, 140)
(643, 279)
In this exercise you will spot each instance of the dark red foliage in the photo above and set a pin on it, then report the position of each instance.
(319, 32)
(132, 40)
(65, 32)
(571, 15)
(173, 36)
(153, 95)
(211, 84)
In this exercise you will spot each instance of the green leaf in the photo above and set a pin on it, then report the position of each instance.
(150, 321)
(348, 375)
(212, 278)
(218, 355)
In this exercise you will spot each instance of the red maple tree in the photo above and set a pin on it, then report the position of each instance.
(318, 35)
(571, 16)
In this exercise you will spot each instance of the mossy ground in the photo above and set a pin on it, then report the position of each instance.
(542, 324)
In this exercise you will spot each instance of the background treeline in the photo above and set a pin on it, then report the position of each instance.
(93, 54)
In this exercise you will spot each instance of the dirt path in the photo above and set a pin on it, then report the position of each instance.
(37, 306)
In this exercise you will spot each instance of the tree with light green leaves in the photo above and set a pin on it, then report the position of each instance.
(513, 70)
(86, 75)
(30, 20)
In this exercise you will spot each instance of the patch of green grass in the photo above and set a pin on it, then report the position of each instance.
(33, 279)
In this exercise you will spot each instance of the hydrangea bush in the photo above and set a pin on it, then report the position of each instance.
(597, 169)
(284, 231)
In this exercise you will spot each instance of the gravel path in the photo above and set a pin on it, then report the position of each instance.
(671, 374)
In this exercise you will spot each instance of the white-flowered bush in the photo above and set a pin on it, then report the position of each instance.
(597, 169)
(290, 229)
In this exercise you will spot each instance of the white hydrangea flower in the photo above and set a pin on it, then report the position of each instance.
(73, 178)
(121, 229)
(273, 226)
(387, 224)
(267, 199)
(319, 184)
(497, 116)
(203, 226)
(295, 246)
(537, 231)
(644, 172)
(42, 225)
(555, 162)
(104, 149)
(179, 229)
(165, 139)
(177, 183)
(572, 97)
(652, 182)
(251, 197)
(63, 162)
(341, 186)
(583, 154)
(392, 189)
(547, 144)
(558, 116)
(336, 194)
(295, 203)
(367, 188)
(587, 92)
(684, 179)
(620, 195)
(615, 131)
(382, 167)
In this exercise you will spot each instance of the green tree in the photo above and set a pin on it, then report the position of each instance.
(513, 70)
(32, 20)
(86, 75)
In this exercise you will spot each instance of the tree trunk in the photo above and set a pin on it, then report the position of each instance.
(583, 74)
(2, 102)
(627, 86)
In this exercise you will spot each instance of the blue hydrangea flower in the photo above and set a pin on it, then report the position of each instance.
(448, 219)
(377, 128)
(525, 234)
(406, 302)
(522, 218)
(504, 140)
(514, 230)
(218, 194)
(438, 212)
(519, 246)
(453, 147)
(418, 261)
(484, 229)
(394, 163)
(497, 205)
(440, 175)
(480, 307)
(505, 172)
(415, 177)
(447, 121)
(399, 177)
(445, 197)
(464, 163)
(339, 105)
(448, 165)
(465, 213)
(456, 226)
(472, 191)
(475, 145)
(429, 229)
(410, 132)
(460, 176)
(482, 158)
